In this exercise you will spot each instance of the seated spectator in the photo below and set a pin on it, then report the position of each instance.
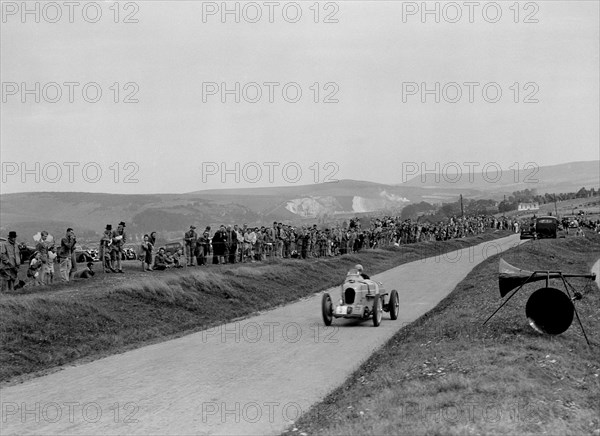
(161, 262)
(177, 259)
(85, 273)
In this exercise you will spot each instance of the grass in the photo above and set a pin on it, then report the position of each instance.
(46, 327)
(447, 374)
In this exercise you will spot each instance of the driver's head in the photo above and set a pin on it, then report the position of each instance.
(358, 267)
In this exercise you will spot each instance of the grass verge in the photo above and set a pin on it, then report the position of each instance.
(44, 328)
(447, 374)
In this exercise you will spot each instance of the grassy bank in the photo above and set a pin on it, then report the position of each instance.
(43, 328)
(448, 374)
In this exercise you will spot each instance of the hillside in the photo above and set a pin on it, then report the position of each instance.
(566, 177)
(171, 214)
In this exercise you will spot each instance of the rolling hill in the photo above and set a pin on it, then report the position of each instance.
(171, 214)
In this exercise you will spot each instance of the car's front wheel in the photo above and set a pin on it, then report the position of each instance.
(394, 305)
(327, 309)
(377, 311)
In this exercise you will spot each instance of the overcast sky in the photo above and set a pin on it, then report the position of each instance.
(174, 59)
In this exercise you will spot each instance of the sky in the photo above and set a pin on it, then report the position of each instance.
(140, 97)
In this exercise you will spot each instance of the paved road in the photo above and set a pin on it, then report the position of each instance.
(249, 377)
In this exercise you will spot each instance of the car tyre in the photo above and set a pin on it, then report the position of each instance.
(377, 311)
(327, 309)
(394, 305)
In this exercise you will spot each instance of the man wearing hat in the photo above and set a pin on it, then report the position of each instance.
(105, 243)
(10, 260)
(119, 238)
(191, 239)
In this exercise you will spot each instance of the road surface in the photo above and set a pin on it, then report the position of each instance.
(255, 376)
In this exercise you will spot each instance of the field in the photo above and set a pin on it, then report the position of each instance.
(448, 374)
(566, 208)
(46, 327)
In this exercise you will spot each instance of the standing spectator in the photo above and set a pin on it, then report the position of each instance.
(206, 246)
(260, 243)
(42, 246)
(65, 254)
(218, 242)
(147, 248)
(152, 240)
(249, 241)
(105, 247)
(284, 235)
(10, 260)
(199, 252)
(35, 269)
(232, 244)
(119, 238)
(278, 240)
(50, 265)
(191, 239)
(240, 243)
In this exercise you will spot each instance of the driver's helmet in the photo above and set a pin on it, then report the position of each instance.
(358, 267)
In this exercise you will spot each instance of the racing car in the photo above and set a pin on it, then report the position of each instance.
(360, 299)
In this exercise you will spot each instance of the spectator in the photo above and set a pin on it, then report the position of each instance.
(219, 249)
(232, 244)
(119, 238)
(239, 244)
(49, 271)
(86, 273)
(176, 259)
(65, 254)
(199, 252)
(43, 245)
(160, 260)
(105, 248)
(35, 269)
(147, 248)
(10, 260)
(206, 246)
(191, 239)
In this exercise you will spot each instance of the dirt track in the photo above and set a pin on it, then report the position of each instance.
(249, 377)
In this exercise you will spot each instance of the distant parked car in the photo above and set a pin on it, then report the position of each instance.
(83, 254)
(25, 251)
(527, 233)
(129, 252)
(173, 247)
(94, 252)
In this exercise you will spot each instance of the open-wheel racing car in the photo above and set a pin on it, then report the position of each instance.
(360, 299)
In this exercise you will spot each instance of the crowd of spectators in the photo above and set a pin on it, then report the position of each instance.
(236, 244)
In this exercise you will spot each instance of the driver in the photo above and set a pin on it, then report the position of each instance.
(359, 268)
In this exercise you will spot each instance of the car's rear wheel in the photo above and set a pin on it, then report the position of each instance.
(377, 311)
(394, 305)
(327, 309)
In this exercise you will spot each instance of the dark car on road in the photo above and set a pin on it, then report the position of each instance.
(546, 227)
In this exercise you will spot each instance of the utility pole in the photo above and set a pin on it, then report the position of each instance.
(555, 208)
(462, 211)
